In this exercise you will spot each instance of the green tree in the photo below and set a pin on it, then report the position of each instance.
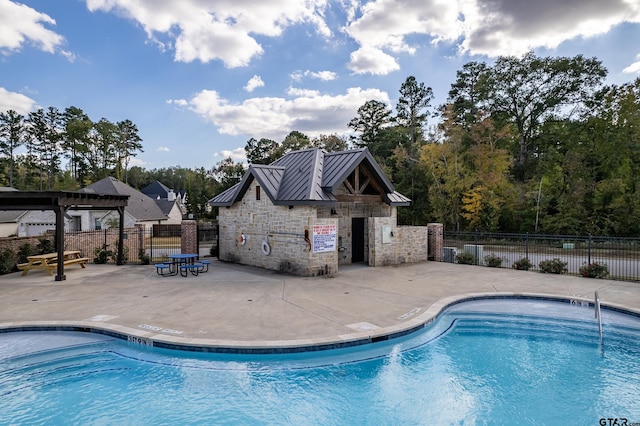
(263, 151)
(411, 110)
(228, 173)
(12, 135)
(372, 117)
(77, 127)
(127, 144)
(331, 143)
(294, 141)
(527, 90)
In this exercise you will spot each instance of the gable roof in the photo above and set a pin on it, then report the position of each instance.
(309, 177)
(140, 206)
(156, 190)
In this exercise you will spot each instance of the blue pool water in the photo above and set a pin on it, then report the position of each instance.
(480, 362)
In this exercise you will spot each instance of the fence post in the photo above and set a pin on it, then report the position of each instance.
(589, 250)
(526, 245)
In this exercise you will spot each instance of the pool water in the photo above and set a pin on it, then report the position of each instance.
(481, 362)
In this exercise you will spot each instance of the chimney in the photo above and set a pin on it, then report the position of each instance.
(171, 196)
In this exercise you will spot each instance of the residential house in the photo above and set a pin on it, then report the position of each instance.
(311, 211)
(159, 191)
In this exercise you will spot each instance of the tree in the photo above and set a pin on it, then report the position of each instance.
(12, 135)
(294, 141)
(76, 138)
(411, 108)
(263, 151)
(127, 145)
(468, 95)
(372, 117)
(527, 90)
(330, 143)
(101, 157)
(228, 173)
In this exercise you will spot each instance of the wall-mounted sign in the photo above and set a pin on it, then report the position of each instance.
(324, 238)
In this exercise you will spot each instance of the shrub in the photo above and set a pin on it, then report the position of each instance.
(144, 257)
(522, 265)
(24, 251)
(102, 254)
(594, 270)
(466, 258)
(45, 245)
(493, 261)
(7, 261)
(553, 266)
(213, 251)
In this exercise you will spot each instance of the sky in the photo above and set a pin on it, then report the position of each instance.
(199, 78)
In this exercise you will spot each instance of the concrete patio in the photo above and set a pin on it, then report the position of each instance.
(235, 306)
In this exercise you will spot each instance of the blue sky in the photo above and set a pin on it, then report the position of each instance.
(199, 77)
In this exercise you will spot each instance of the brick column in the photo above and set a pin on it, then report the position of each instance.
(435, 238)
(189, 240)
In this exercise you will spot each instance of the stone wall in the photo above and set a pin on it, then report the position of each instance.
(393, 245)
(347, 211)
(255, 232)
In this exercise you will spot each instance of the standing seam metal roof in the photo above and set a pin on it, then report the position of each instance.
(310, 177)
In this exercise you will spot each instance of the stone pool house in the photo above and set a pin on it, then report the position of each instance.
(311, 211)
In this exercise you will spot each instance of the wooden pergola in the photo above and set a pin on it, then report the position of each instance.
(61, 202)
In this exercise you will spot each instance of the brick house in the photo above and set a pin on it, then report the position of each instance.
(311, 211)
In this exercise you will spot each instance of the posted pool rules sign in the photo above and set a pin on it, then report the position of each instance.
(324, 238)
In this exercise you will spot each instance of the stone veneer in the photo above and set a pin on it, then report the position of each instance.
(406, 244)
(248, 223)
(282, 228)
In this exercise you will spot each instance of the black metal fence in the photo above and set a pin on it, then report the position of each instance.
(621, 255)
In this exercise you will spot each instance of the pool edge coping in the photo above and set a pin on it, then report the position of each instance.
(417, 323)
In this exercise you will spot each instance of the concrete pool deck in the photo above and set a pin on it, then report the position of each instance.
(245, 308)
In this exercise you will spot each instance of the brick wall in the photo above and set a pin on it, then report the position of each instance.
(436, 241)
(189, 236)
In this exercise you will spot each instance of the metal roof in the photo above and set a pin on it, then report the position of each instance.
(310, 177)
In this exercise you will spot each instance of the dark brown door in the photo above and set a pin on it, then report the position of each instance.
(357, 239)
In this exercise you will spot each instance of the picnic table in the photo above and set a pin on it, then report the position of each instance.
(49, 261)
(182, 263)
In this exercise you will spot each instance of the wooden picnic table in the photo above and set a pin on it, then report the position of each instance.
(49, 261)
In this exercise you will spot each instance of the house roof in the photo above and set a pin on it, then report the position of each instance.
(140, 206)
(11, 216)
(156, 190)
(310, 177)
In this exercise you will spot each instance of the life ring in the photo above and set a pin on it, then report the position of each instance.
(266, 248)
(242, 239)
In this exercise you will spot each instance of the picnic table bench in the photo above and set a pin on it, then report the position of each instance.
(49, 261)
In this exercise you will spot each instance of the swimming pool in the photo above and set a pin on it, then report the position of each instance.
(480, 362)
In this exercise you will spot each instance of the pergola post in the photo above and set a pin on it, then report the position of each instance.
(120, 260)
(60, 212)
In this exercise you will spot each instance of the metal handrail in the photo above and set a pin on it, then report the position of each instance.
(598, 314)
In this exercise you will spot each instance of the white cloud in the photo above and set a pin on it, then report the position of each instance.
(254, 83)
(634, 68)
(223, 30)
(319, 75)
(373, 61)
(20, 24)
(163, 149)
(15, 101)
(307, 111)
(237, 155)
(383, 28)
